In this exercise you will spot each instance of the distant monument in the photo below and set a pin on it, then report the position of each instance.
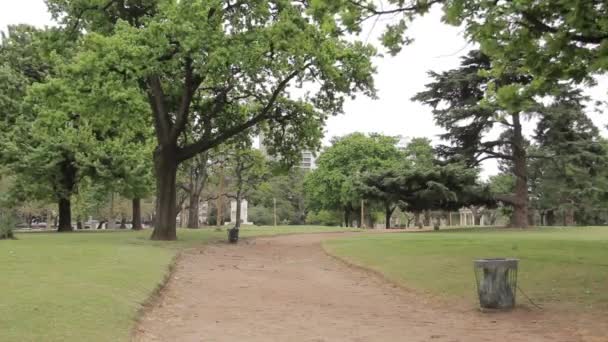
(244, 206)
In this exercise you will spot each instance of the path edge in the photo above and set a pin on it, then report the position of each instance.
(156, 294)
(428, 297)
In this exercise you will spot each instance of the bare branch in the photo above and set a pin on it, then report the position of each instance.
(204, 144)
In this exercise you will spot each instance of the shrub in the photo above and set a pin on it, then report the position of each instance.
(260, 216)
(324, 218)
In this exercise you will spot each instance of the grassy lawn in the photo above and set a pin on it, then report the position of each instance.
(89, 286)
(567, 268)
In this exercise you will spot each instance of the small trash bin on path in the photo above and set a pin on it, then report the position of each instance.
(496, 281)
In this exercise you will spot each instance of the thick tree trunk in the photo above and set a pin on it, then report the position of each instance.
(346, 217)
(193, 211)
(165, 167)
(550, 217)
(388, 212)
(68, 180)
(65, 215)
(136, 205)
(520, 205)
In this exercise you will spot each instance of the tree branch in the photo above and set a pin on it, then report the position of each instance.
(538, 25)
(191, 83)
(203, 144)
(156, 98)
(418, 6)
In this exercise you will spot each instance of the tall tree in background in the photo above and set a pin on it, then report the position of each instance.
(459, 102)
(220, 68)
(196, 175)
(446, 187)
(572, 177)
(285, 189)
(334, 184)
(248, 170)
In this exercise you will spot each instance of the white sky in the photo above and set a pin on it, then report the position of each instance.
(437, 47)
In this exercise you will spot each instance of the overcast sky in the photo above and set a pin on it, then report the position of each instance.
(436, 47)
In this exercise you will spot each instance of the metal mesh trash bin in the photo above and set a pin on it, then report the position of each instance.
(496, 281)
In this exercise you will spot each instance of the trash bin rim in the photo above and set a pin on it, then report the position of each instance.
(496, 262)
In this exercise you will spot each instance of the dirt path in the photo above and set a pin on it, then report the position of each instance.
(287, 289)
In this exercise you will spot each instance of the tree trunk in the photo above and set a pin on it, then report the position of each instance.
(68, 180)
(65, 215)
(79, 224)
(193, 210)
(123, 223)
(520, 205)
(427, 218)
(437, 223)
(417, 222)
(136, 204)
(388, 212)
(550, 217)
(569, 216)
(476, 215)
(237, 224)
(346, 217)
(165, 167)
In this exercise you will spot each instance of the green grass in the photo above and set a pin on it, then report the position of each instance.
(89, 286)
(567, 268)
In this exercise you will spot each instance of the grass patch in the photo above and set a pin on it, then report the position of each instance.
(89, 286)
(563, 267)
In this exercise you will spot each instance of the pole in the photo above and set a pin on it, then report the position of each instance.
(274, 203)
(220, 215)
(362, 214)
(110, 224)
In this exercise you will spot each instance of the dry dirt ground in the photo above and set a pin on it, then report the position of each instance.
(287, 288)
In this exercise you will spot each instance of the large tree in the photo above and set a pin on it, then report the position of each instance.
(461, 106)
(36, 148)
(220, 68)
(572, 177)
(334, 184)
(439, 187)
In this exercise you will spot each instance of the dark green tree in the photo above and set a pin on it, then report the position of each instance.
(572, 175)
(461, 106)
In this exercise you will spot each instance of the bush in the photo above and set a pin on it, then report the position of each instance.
(324, 218)
(260, 216)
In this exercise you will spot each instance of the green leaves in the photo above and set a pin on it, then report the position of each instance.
(334, 184)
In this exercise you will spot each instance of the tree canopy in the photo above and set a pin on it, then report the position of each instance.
(218, 69)
(333, 185)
